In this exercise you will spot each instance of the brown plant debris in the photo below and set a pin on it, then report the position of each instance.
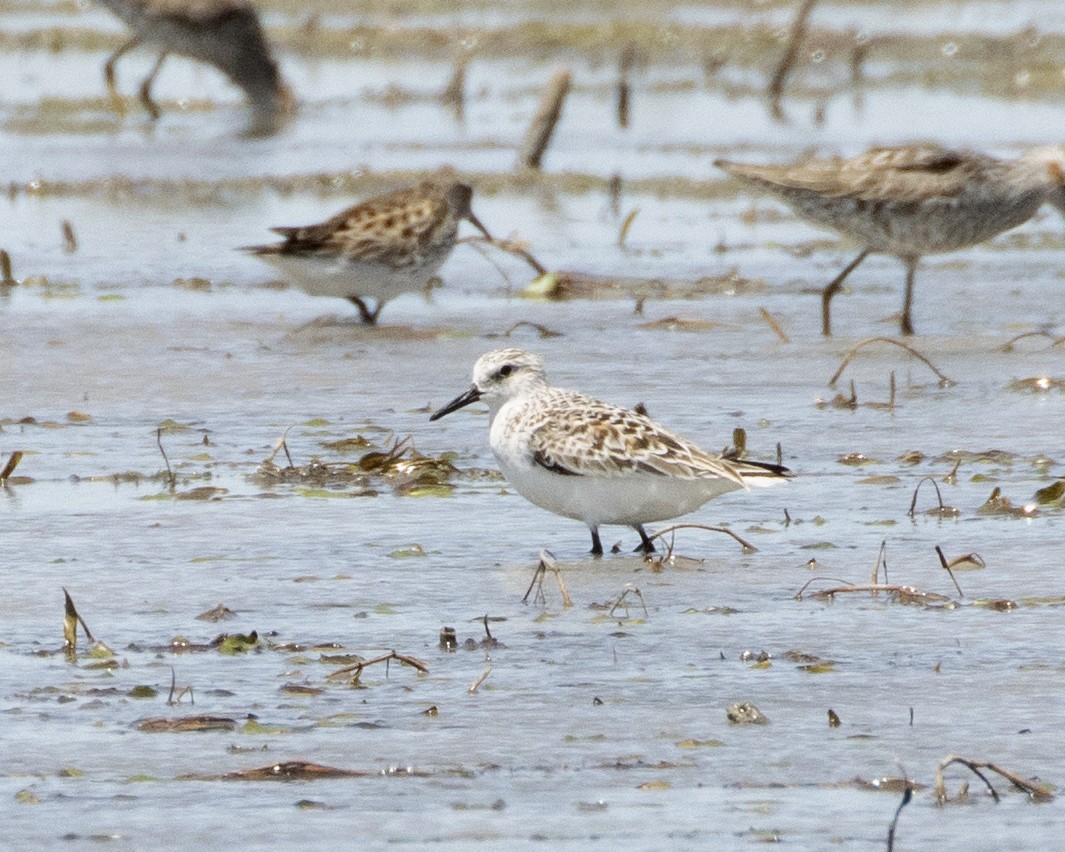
(944, 382)
(547, 563)
(941, 510)
(780, 76)
(564, 285)
(183, 724)
(354, 671)
(745, 713)
(71, 620)
(218, 613)
(746, 545)
(293, 770)
(999, 504)
(1036, 792)
(9, 468)
(633, 590)
(902, 594)
(543, 124)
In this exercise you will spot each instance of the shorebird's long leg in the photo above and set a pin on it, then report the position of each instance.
(597, 545)
(906, 327)
(833, 288)
(109, 73)
(646, 545)
(146, 88)
(369, 317)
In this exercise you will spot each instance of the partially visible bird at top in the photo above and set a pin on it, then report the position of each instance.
(912, 200)
(223, 33)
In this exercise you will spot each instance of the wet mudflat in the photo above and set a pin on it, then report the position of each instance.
(606, 719)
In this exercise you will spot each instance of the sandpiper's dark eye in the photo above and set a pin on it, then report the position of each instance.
(506, 370)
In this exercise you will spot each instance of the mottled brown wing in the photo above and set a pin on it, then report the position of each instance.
(906, 173)
(596, 438)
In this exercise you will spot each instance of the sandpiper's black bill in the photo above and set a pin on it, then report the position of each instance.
(472, 395)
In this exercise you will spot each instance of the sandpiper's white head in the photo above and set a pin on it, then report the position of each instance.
(498, 376)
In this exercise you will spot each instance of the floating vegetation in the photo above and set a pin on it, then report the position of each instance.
(1035, 791)
(185, 724)
(563, 286)
(353, 673)
(1036, 384)
(745, 713)
(401, 466)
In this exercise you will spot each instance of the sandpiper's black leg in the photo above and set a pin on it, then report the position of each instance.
(906, 326)
(597, 545)
(646, 545)
(109, 73)
(146, 88)
(369, 317)
(833, 288)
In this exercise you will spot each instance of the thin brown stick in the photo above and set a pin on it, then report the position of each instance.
(944, 381)
(9, 468)
(6, 278)
(473, 687)
(70, 239)
(356, 669)
(548, 563)
(543, 124)
(787, 61)
(623, 232)
(1035, 792)
(771, 321)
(159, 441)
(630, 588)
(1008, 345)
(510, 247)
(746, 545)
(890, 588)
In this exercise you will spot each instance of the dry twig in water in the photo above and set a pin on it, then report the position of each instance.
(71, 619)
(547, 563)
(967, 560)
(1035, 792)
(356, 669)
(509, 247)
(170, 478)
(944, 381)
(473, 687)
(905, 594)
(746, 545)
(942, 510)
(771, 321)
(9, 468)
(629, 588)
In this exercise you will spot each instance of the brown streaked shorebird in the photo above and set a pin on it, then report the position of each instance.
(912, 200)
(386, 246)
(224, 33)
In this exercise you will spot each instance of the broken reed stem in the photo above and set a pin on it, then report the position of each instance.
(548, 563)
(278, 444)
(70, 240)
(9, 468)
(71, 619)
(510, 247)
(746, 545)
(624, 90)
(944, 381)
(473, 687)
(771, 321)
(623, 232)
(1008, 345)
(356, 669)
(634, 590)
(880, 559)
(541, 330)
(543, 124)
(787, 61)
(159, 442)
(946, 567)
(6, 278)
(905, 592)
(939, 495)
(1035, 792)
(454, 93)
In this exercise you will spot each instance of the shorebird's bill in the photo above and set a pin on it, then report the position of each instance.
(461, 401)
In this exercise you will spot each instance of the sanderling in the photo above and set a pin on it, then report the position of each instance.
(224, 33)
(912, 200)
(386, 246)
(592, 461)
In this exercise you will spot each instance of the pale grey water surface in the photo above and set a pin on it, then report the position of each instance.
(592, 724)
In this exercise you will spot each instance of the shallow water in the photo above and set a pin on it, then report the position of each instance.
(593, 723)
